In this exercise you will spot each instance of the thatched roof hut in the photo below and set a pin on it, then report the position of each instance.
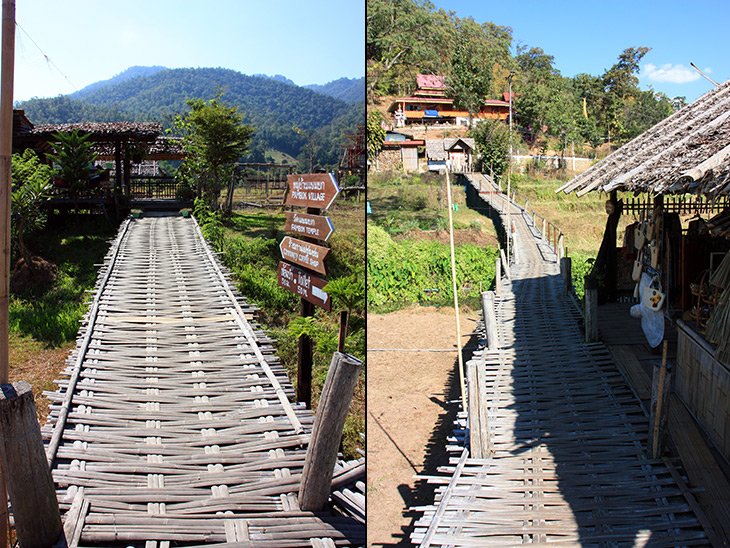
(687, 153)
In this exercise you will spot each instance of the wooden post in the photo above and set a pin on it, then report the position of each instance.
(505, 264)
(33, 496)
(327, 430)
(344, 317)
(305, 357)
(490, 320)
(591, 309)
(566, 270)
(304, 360)
(7, 62)
(544, 234)
(498, 275)
(660, 389)
(479, 439)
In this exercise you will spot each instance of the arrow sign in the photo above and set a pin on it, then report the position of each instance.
(308, 286)
(314, 226)
(312, 190)
(304, 254)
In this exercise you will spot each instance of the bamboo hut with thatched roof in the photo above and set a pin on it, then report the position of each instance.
(673, 182)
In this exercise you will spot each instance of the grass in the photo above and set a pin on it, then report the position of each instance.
(582, 220)
(44, 319)
(402, 205)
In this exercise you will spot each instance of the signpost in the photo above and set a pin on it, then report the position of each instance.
(304, 254)
(315, 191)
(307, 286)
(314, 226)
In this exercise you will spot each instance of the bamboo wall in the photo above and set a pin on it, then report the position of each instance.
(703, 383)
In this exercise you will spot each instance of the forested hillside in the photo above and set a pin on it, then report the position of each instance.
(286, 117)
(350, 90)
(407, 37)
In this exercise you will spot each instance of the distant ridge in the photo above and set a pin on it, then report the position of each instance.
(350, 90)
(273, 106)
(128, 74)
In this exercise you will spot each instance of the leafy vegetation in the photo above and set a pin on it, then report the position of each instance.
(74, 159)
(32, 181)
(405, 272)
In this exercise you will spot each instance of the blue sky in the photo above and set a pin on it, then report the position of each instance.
(310, 42)
(588, 36)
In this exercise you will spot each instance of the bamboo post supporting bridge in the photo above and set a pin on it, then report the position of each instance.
(569, 463)
(173, 423)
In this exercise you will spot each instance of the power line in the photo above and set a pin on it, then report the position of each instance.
(49, 61)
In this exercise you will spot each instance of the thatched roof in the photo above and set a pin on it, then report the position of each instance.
(688, 152)
(101, 131)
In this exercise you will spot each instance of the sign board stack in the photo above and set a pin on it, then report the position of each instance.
(316, 192)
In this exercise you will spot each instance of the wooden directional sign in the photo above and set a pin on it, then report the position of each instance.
(307, 286)
(312, 190)
(304, 254)
(313, 226)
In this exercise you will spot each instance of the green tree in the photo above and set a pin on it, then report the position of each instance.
(74, 158)
(543, 97)
(404, 37)
(375, 133)
(471, 66)
(491, 138)
(621, 85)
(217, 139)
(31, 185)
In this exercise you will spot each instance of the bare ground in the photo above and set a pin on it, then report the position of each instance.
(410, 413)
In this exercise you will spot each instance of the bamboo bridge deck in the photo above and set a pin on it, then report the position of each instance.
(172, 425)
(569, 466)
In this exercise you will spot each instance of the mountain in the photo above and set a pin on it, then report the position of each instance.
(129, 74)
(272, 107)
(278, 78)
(350, 90)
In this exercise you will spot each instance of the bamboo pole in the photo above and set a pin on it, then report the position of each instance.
(7, 62)
(456, 296)
(659, 402)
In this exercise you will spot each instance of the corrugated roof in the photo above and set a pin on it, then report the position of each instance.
(436, 149)
(430, 81)
(450, 142)
(688, 152)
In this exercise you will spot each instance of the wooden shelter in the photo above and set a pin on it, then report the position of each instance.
(124, 143)
(675, 180)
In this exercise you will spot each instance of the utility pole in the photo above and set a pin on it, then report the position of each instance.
(7, 68)
(509, 168)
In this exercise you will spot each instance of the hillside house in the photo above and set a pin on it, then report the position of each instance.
(426, 105)
(399, 153)
(431, 104)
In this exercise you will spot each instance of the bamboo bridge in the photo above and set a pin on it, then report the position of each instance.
(173, 423)
(569, 465)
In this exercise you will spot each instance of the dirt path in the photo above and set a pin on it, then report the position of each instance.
(409, 413)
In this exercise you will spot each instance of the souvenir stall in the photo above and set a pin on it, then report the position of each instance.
(672, 259)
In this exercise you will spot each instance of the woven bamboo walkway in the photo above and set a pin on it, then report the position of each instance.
(569, 466)
(172, 424)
